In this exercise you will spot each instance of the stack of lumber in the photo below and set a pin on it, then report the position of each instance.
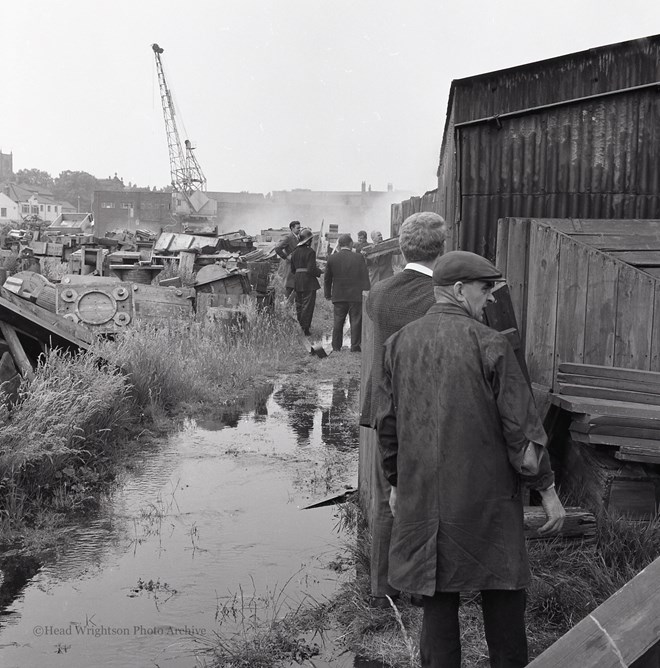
(614, 407)
(611, 442)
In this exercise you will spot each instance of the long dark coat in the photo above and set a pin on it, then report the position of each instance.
(458, 415)
(285, 249)
(304, 258)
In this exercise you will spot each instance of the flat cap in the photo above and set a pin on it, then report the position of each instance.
(463, 266)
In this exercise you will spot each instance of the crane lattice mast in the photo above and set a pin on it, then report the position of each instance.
(185, 172)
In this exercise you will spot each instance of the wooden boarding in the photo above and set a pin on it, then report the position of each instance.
(613, 430)
(617, 633)
(610, 394)
(601, 309)
(386, 247)
(611, 383)
(638, 258)
(159, 303)
(621, 242)
(618, 421)
(602, 482)
(638, 453)
(616, 441)
(614, 373)
(590, 405)
(604, 226)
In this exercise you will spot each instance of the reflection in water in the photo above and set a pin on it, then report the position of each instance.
(212, 510)
(339, 429)
(301, 404)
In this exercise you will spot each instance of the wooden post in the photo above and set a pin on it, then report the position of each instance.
(16, 350)
(615, 634)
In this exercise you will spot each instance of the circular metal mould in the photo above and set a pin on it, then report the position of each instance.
(96, 307)
(69, 295)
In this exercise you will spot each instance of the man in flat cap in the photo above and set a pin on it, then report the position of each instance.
(346, 276)
(458, 435)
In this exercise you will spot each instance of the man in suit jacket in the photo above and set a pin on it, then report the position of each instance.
(346, 276)
(284, 249)
(393, 303)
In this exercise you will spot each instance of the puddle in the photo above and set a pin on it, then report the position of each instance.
(208, 528)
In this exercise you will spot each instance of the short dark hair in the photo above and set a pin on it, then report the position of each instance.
(362, 233)
(293, 223)
(344, 241)
(422, 237)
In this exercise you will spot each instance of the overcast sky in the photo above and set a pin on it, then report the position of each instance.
(276, 94)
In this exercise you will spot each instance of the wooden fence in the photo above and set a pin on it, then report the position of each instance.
(574, 296)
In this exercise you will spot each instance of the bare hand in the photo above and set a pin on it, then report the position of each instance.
(393, 501)
(554, 511)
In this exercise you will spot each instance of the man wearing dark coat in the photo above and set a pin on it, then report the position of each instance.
(346, 276)
(458, 435)
(284, 250)
(393, 303)
(306, 273)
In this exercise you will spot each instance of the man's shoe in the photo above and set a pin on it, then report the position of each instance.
(381, 602)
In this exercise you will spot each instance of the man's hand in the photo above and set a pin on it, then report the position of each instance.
(554, 511)
(393, 501)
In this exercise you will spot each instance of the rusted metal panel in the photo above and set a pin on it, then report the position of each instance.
(581, 74)
(595, 160)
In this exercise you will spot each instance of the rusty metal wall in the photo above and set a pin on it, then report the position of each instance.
(567, 77)
(597, 158)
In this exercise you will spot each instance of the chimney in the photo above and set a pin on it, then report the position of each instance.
(364, 186)
(390, 187)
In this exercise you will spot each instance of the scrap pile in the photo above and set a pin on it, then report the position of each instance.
(611, 429)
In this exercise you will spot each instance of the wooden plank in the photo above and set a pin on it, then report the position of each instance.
(572, 304)
(16, 349)
(601, 306)
(634, 319)
(592, 406)
(368, 446)
(43, 325)
(610, 393)
(615, 420)
(617, 373)
(633, 454)
(612, 430)
(502, 245)
(590, 226)
(153, 301)
(638, 258)
(652, 271)
(612, 383)
(517, 274)
(622, 242)
(655, 333)
(616, 441)
(579, 523)
(542, 304)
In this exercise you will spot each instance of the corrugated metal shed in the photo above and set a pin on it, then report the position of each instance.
(574, 136)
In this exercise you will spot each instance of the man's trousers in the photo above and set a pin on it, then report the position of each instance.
(354, 312)
(305, 302)
(504, 625)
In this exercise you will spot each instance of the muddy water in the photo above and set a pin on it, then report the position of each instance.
(205, 532)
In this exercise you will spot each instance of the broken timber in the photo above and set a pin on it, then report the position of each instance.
(48, 328)
(617, 633)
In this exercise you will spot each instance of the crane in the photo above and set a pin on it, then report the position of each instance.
(186, 174)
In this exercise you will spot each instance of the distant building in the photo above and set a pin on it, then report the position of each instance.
(8, 210)
(111, 183)
(6, 166)
(132, 210)
(33, 202)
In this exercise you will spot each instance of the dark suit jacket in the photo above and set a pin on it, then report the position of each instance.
(346, 276)
(392, 303)
(304, 258)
